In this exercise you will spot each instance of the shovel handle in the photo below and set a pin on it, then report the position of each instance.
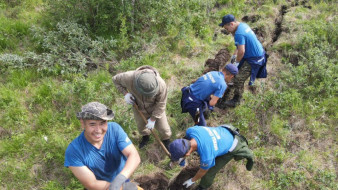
(155, 135)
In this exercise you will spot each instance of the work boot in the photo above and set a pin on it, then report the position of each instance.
(233, 102)
(166, 143)
(144, 141)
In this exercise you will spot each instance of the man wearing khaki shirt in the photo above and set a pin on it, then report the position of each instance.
(145, 88)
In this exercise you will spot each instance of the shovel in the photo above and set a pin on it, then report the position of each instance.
(155, 135)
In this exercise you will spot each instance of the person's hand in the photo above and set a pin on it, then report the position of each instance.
(129, 98)
(117, 182)
(150, 125)
(188, 183)
(130, 186)
(233, 59)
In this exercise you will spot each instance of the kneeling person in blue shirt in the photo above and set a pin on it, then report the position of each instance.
(216, 146)
(102, 156)
(206, 91)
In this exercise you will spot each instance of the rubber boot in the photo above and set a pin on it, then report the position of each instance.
(144, 141)
(166, 143)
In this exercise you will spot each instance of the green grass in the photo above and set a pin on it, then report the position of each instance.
(290, 124)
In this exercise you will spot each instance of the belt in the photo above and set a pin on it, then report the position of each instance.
(234, 144)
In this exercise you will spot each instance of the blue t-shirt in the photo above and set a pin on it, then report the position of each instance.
(210, 83)
(106, 163)
(211, 142)
(245, 36)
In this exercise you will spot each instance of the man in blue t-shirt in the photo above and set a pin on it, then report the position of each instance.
(102, 156)
(216, 146)
(249, 56)
(205, 91)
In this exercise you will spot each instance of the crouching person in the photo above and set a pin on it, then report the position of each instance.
(204, 93)
(102, 156)
(216, 146)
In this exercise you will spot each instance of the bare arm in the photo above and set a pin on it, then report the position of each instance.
(213, 100)
(88, 179)
(235, 53)
(200, 173)
(133, 160)
(240, 52)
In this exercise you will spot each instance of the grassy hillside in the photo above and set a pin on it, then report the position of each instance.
(49, 69)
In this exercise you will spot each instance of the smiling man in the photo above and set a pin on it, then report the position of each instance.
(102, 156)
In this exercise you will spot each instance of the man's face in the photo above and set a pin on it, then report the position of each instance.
(228, 78)
(229, 27)
(94, 130)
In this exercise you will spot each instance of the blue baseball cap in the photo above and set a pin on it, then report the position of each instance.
(178, 148)
(232, 68)
(227, 19)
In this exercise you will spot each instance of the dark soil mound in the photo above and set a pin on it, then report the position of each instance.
(187, 173)
(221, 58)
(157, 181)
(252, 18)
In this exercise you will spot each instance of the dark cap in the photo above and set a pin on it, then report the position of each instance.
(227, 19)
(178, 148)
(95, 111)
(231, 68)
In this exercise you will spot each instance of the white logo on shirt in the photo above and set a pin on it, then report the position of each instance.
(211, 77)
(211, 134)
(127, 139)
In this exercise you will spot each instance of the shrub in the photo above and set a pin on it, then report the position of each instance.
(68, 49)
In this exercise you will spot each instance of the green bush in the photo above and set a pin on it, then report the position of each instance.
(69, 49)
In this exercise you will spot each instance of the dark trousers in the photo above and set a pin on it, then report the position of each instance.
(190, 103)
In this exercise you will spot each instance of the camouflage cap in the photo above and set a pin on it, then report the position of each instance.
(95, 111)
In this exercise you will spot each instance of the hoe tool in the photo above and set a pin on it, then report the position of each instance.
(154, 133)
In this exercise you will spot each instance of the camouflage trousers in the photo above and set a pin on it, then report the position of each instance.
(161, 125)
(236, 91)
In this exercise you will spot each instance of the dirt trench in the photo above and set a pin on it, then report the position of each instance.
(155, 181)
(278, 23)
(159, 181)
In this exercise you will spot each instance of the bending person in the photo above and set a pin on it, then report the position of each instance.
(216, 146)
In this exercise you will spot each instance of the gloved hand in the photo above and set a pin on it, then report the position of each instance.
(129, 98)
(233, 59)
(188, 183)
(130, 186)
(117, 182)
(150, 125)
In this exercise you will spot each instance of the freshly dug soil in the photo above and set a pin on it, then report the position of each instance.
(187, 173)
(221, 58)
(157, 181)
